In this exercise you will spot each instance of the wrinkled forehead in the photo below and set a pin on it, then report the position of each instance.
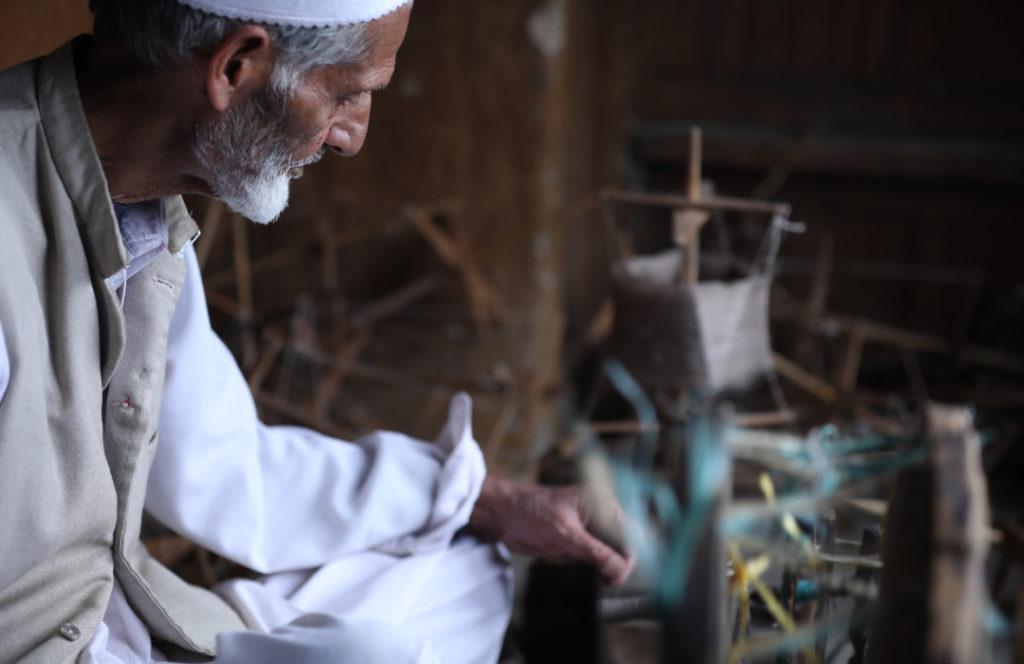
(384, 37)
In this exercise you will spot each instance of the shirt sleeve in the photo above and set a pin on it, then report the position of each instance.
(5, 365)
(277, 498)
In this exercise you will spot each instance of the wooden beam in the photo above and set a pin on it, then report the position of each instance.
(874, 331)
(932, 159)
(273, 344)
(849, 370)
(651, 199)
(396, 301)
(696, 159)
(804, 379)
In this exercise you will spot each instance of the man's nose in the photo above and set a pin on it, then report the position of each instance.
(348, 133)
(346, 141)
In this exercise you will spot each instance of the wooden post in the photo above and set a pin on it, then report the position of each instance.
(243, 270)
(1018, 638)
(934, 548)
(850, 368)
(695, 630)
(328, 388)
(687, 222)
(696, 162)
(960, 518)
(212, 221)
(858, 634)
(273, 344)
(543, 351)
(804, 379)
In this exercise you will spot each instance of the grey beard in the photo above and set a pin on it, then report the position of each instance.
(245, 158)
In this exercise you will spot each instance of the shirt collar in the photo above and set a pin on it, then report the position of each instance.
(142, 227)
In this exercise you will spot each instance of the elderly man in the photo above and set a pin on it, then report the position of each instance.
(116, 398)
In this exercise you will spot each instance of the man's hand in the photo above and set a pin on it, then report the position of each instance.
(546, 522)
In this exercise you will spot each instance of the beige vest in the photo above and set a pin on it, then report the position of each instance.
(79, 420)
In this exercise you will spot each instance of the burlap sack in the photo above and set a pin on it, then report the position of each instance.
(713, 336)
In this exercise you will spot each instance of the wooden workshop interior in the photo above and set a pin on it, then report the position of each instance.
(756, 267)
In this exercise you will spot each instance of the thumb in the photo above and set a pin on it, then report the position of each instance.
(611, 564)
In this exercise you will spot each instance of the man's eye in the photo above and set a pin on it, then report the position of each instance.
(345, 100)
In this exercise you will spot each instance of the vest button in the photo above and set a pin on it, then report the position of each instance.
(70, 631)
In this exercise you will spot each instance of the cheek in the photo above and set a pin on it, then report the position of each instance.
(310, 136)
(334, 126)
(303, 148)
(314, 141)
(309, 123)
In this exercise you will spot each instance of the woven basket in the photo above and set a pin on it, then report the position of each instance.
(711, 336)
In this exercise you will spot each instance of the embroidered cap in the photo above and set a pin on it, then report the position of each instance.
(303, 13)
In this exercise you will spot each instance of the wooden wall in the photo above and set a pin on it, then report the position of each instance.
(36, 27)
(894, 125)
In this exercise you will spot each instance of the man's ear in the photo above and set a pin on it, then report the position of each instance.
(239, 65)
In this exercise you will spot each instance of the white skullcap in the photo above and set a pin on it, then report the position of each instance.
(303, 13)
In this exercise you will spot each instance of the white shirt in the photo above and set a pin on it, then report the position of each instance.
(5, 366)
(279, 498)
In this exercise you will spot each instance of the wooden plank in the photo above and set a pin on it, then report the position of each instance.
(328, 388)
(287, 257)
(395, 302)
(223, 303)
(709, 204)
(693, 175)
(804, 379)
(502, 427)
(213, 220)
(455, 250)
(935, 548)
(937, 158)
(687, 225)
(273, 344)
(960, 518)
(849, 370)
(897, 632)
(243, 284)
(874, 331)
(299, 414)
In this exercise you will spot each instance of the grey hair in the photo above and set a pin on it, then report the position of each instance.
(165, 33)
